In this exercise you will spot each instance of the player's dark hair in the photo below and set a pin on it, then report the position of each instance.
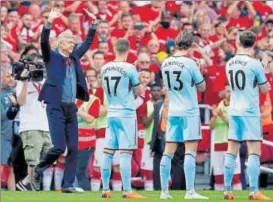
(247, 39)
(184, 41)
(122, 46)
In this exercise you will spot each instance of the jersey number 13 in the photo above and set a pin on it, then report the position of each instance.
(178, 84)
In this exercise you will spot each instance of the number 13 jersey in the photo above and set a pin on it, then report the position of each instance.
(181, 75)
(244, 75)
(118, 80)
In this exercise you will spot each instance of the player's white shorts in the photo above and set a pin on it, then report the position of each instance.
(121, 133)
(147, 158)
(99, 154)
(243, 128)
(183, 128)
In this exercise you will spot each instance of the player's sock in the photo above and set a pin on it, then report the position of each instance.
(58, 177)
(189, 169)
(126, 170)
(106, 170)
(47, 178)
(165, 169)
(116, 181)
(229, 171)
(148, 182)
(253, 171)
(95, 180)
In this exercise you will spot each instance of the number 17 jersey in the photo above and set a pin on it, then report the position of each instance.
(181, 75)
(118, 80)
(244, 75)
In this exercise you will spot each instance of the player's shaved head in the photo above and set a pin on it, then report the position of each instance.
(184, 40)
(122, 46)
(247, 39)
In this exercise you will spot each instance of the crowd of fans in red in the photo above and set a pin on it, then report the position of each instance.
(151, 27)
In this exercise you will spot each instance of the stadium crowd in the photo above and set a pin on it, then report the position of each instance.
(151, 28)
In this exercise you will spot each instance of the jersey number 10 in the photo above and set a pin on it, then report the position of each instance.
(238, 75)
(178, 82)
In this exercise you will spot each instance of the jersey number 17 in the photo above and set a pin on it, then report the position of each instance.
(116, 80)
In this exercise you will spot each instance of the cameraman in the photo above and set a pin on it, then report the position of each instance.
(33, 127)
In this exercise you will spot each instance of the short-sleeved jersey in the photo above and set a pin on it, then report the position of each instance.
(181, 75)
(244, 75)
(118, 80)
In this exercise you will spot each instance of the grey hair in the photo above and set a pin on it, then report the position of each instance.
(184, 40)
(122, 46)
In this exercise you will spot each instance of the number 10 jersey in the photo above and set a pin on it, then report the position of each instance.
(181, 75)
(118, 80)
(244, 75)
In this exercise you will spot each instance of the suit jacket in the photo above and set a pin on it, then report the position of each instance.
(55, 63)
(157, 134)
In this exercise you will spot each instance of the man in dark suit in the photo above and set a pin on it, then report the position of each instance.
(158, 145)
(64, 84)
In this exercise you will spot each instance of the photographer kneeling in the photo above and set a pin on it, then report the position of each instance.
(33, 129)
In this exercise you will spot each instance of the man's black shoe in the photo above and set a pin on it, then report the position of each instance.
(22, 187)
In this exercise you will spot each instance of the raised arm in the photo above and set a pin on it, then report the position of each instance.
(21, 91)
(231, 8)
(73, 7)
(45, 44)
(251, 10)
(85, 45)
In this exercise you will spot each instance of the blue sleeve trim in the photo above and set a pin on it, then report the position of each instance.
(200, 82)
(263, 83)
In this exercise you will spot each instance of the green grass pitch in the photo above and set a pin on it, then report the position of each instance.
(8, 196)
